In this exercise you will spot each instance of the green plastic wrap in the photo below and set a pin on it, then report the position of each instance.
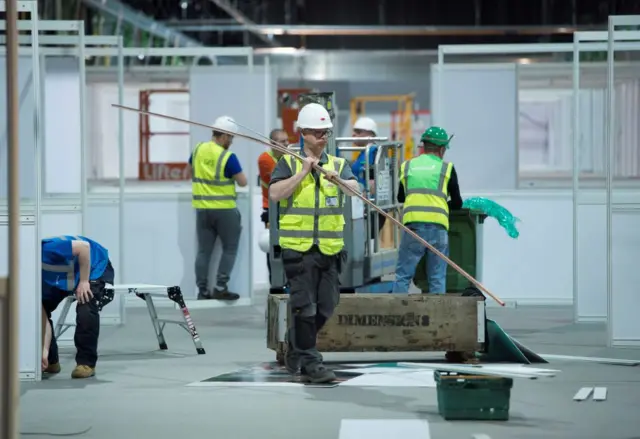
(494, 210)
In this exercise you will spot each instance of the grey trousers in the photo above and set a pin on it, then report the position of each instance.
(211, 224)
(314, 293)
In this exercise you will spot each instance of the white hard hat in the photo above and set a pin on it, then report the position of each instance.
(225, 123)
(366, 124)
(314, 116)
(263, 241)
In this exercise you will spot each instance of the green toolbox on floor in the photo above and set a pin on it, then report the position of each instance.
(473, 397)
(465, 249)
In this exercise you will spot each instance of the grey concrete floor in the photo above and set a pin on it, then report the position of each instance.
(140, 392)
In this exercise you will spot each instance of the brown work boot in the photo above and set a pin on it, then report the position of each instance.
(224, 295)
(83, 371)
(53, 369)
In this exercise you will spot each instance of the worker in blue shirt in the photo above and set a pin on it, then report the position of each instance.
(217, 215)
(80, 266)
(366, 127)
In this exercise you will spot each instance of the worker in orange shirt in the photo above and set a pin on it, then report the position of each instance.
(266, 163)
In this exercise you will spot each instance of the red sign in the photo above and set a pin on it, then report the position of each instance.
(164, 171)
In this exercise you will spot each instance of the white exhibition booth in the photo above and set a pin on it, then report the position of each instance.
(591, 269)
(569, 239)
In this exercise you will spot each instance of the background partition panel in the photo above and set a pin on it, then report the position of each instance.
(245, 96)
(479, 105)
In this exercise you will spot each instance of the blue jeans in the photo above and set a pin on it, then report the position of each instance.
(411, 252)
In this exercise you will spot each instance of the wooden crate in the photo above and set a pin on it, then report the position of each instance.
(391, 323)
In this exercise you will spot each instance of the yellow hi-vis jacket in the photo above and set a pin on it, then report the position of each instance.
(314, 212)
(425, 179)
(209, 187)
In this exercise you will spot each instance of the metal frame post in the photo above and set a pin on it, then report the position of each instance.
(597, 42)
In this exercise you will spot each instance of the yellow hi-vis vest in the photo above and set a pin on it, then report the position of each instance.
(314, 212)
(209, 187)
(426, 179)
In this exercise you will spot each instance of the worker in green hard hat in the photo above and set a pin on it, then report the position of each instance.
(426, 184)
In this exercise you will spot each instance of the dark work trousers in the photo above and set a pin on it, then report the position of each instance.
(314, 293)
(212, 224)
(87, 319)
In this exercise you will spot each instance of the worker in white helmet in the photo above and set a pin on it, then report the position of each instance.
(310, 227)
(367, 127)
(215, 173)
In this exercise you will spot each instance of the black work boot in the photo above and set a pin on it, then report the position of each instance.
(224, 295)
(204, 294)
(317, 374)
(291, 359)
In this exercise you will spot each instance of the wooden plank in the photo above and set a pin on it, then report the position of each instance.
(395, 323)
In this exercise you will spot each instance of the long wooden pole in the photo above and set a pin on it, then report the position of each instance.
(11, 382)
(285, 150)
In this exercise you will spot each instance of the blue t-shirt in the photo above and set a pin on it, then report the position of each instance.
(61, 269)
(231, 168)
(358, 165)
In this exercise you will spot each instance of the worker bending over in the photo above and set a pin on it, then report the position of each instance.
(266, 164)
(74, 264)
(310, 235)
(426, 183)
(215, 173)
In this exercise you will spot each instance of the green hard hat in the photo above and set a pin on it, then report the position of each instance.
(437, 136)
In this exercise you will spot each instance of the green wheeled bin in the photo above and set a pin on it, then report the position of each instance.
(465, 249)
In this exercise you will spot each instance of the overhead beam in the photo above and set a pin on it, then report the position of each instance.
(117, 9)
(339, 30)
(245, 24)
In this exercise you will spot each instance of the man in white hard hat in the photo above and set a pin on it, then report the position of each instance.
(215, 173)
(310, 230)
(367, 127)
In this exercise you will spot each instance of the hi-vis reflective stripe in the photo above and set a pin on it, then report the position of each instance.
(309, 234)
(439, 192)
(264, 184)
(217, 181)
(310, 210)
(68, 269)
(424, 209)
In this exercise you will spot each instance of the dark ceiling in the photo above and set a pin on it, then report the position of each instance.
(524, 13)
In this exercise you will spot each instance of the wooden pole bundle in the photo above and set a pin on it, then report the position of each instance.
(286, 150)
(10, 291)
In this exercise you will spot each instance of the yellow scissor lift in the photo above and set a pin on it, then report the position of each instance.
(403, 131)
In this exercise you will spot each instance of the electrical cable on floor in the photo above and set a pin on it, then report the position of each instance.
(29, 433)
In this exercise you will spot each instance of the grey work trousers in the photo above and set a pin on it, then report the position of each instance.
(211, 224)
(314, 293)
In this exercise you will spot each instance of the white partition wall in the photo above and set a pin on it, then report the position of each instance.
(157, 239)
(590, 287)
(479, 105)
(250, 98)
(623, 234)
